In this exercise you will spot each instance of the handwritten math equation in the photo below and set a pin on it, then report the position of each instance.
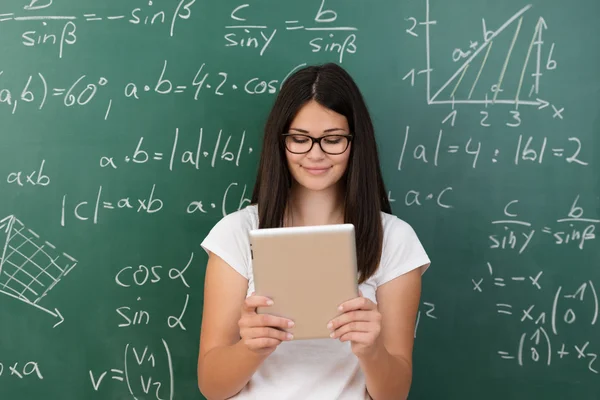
(240, 32)
(550, 328)
(93, 208)
(36, 91)
(573, 230)
(521, 150)
(45, 28)
(541, 341)
(225, 147)
(21, 370)
(132, 277)
(145, 372)
(332, 37)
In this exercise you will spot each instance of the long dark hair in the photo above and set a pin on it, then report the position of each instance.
(365, 194)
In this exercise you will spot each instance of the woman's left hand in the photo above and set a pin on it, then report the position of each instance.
(360, 324)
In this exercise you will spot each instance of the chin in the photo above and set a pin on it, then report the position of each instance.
(316, 187)
(317, 183)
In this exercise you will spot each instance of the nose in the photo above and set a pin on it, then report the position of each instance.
(316, 153)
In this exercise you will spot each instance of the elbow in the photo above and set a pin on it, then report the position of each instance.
(399, 380)
(204, 384)
(406, 372)
(208, 392)
(208, 388)
(202, 381)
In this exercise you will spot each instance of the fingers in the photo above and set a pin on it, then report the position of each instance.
(253, 301)
(266, 333)
(261, 343)
(357, 326)
(262, 331)
(357, 303)
(258, 336)
(265, 320)
(351, 316)
(249, 307)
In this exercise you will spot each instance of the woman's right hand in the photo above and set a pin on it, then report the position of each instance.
(262, 333)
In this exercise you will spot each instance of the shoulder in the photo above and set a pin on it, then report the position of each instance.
(402, 250)
(229, 238)
(395, 228)
(241, 220)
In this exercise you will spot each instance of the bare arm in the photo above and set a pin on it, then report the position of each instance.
(388, 370)
(223, 367)
(227, 361)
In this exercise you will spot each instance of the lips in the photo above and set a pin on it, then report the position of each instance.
(316, 170)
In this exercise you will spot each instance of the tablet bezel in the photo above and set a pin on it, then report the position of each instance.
(308, 271)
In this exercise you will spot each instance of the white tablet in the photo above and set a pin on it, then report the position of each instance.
(308, 271)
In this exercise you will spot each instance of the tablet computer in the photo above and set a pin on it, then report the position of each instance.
(308, 271)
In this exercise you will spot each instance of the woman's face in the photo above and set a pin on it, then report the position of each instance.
(317, 170)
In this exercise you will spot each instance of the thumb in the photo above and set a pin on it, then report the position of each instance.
(360, 293)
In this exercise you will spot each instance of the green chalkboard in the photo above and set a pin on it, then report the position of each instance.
(128, 129)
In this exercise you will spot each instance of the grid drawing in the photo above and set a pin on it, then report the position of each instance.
(30, 267)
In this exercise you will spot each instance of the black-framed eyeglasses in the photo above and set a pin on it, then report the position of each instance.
(299, 143)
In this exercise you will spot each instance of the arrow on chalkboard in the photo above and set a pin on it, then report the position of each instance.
(541, 25)
(6, 222)
(543, 103)
(55, 314)
(59, 316)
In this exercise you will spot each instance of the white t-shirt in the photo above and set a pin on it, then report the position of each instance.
(319, 369)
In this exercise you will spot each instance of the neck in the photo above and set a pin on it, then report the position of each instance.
(307, 207)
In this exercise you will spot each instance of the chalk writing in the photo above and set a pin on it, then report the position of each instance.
(244, 32)
(34, 178)
(30, 267)
(38, 90)
(527, 151)
(19, 370)
(517, 234)
(54, 31)
(224, 148)
(428, 310)
(151, 113)
(138, 372)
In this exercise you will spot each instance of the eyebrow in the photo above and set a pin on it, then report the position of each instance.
(325, 131)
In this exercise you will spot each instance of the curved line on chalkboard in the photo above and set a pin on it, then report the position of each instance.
(175, 18)
(555, 303)
(549, 346)
(45, 90)
(290, 73)
(127, 374)
(595, 303)
(172, 394)
(520, 353)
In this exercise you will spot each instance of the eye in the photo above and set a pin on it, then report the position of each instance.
(299, 139)
(333, 139)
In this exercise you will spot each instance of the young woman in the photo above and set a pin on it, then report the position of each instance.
(319, 165)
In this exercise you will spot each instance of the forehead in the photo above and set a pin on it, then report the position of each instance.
(315, 118)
